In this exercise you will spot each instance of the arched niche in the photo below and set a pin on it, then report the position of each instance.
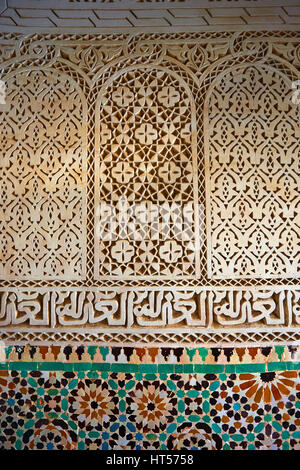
(145, 157)
(252, 152)
(43, 129)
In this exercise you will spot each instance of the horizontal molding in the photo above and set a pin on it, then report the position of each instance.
(135, 15)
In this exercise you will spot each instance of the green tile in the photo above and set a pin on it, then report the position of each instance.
(188, 368)
(22, 365)
(279, 351)
(194, 418)
(166, 368)
(230, 368)
(215, 368)
(132, 368)
(180, 406)
(150, 377)
(289, 365)
(192, 393)
(92, 351)
(271, 366)
(200, 368)
(103, 367)
(80, 366)
(68, 366)
(92, 374)
(8, 351)
(242, 368)
(178, 368)
(203, 353)
(4, 365)
(104, 350)
(209, 368)
(296, 365)
(191, 353)
(148, 368)
(124, 367)
(50, 365)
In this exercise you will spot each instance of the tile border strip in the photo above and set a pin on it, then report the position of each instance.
(150, 368)
(148, 356)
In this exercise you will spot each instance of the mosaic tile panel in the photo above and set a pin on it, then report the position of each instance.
(148, 406)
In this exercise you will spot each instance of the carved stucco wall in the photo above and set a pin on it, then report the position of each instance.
(149, 182)
(149, 224)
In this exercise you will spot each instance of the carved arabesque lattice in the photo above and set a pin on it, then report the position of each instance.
(43, 169)
(145, 145)
(252, 135)
(115, 299)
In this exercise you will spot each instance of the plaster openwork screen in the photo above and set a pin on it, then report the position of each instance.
(43, 177)
(150, 188)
